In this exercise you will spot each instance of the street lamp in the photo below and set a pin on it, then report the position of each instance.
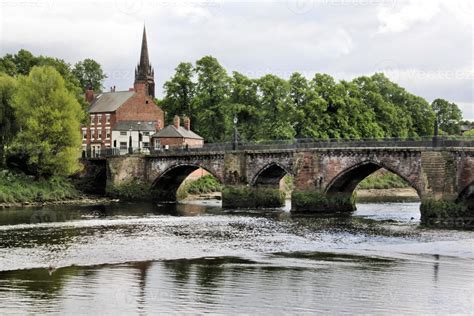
(130, 143)
(436, 132)
(139, 135)
(235, 137)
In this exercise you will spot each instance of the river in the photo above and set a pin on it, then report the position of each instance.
(196, 258)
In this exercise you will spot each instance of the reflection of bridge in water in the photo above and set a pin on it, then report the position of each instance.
(325, 173)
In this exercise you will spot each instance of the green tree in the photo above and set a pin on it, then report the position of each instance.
(89, 73)
(7, 115)
(244, 103)
(276, 110)
(49, 122)
(299, 98)
(7, 65)
(211, 101)
(180, 92)
(24, 61)
(448, 115)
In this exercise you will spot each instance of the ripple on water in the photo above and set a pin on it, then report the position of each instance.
(206, 260)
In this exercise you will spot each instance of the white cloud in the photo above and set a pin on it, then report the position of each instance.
(406, 13)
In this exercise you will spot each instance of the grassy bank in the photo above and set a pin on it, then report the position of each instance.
(19, 188)
(204, 185)
(383, 180)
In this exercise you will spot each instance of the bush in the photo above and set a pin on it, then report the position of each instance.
(316, 201)
(19, 188)
(132, 191)
(203, 185)
(446, 214)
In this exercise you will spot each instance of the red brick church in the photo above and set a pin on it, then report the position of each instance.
(125, 120)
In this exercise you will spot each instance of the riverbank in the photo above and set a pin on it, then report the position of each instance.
(82, 200)
(363, 196)
(20, 190)
(387, 195)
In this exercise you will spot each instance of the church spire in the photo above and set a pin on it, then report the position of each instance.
(144, 59)
(144, 73)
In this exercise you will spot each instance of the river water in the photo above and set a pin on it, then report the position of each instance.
(197, 258)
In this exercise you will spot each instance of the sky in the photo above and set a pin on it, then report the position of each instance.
(426, 46)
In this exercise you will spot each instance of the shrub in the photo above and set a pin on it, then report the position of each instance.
(132, 190)
(203, 185)
(18, 188)
(316, 201)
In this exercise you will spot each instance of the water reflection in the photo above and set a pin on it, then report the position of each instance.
(200, 259)
(38, 284)
(284, 282)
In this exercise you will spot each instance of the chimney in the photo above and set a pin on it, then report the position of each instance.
(89, 95)
(187, 123)
(176, 122)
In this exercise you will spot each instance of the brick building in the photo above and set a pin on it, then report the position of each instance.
(124, 119)
(177, 136)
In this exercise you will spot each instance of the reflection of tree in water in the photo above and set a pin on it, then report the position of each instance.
(208, 274)
(142, 272)
(38, 284)
(181, 270)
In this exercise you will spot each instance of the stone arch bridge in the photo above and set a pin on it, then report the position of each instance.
(324, 178)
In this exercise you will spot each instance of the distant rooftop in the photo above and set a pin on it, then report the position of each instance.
(172, 132)
(147, 126)
(110, 101)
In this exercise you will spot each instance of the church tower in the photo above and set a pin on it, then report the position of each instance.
(144, 73)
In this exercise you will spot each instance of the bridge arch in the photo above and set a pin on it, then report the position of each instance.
(347, 181)
(166, 185)
(270, 175)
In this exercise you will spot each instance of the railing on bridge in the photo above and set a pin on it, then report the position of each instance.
(307, 143)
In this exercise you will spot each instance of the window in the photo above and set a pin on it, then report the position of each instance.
(123, 145)
(107, 119)
(99, 119)
(123, 133)
(84, 134)
(146, 133)
(92, 133)
(107, 134)
(146, 145)
(93, 119)
(99, 134)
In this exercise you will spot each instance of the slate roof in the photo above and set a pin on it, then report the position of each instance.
(172, 132)
(147, 126)
(110, 101)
